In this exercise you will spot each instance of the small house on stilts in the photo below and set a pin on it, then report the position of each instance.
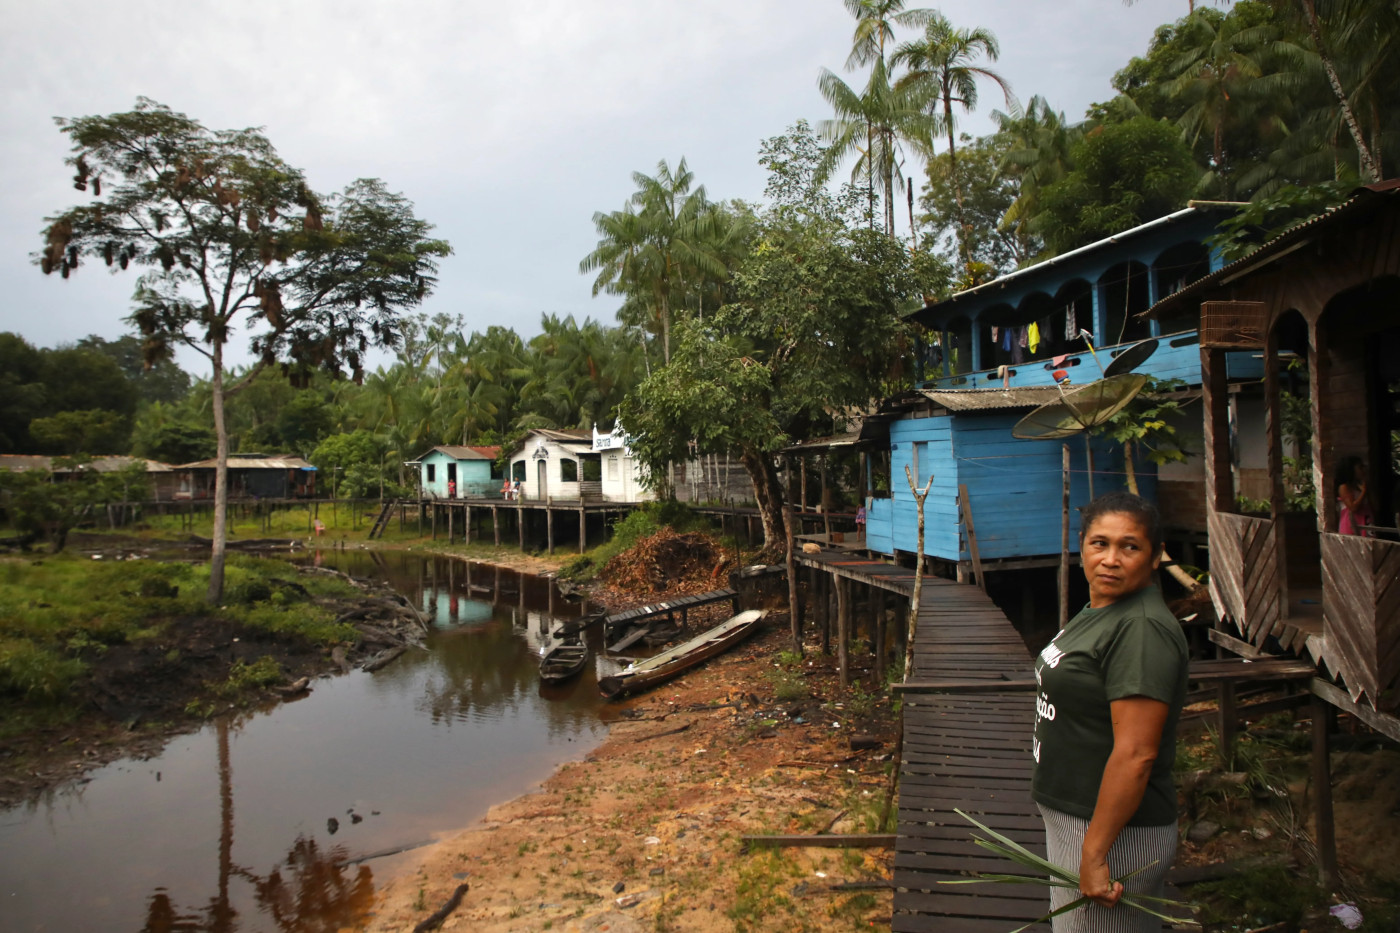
(1320, 306)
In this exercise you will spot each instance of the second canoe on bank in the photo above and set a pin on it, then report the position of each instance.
(683, 657)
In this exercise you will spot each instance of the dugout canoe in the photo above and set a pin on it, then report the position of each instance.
(644, 674)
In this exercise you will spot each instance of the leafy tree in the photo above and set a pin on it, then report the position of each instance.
(353, 465)
(942, 68)
(163, 382)
(43, 505)
(229, 233)
(1035, 144)
(815, 328)
(988, 196)
(170, 435)
(22, 394)
(1124, 175)
(91, 431)
(1265, 217)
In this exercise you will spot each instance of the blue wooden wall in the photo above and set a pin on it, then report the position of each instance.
(1014, 487)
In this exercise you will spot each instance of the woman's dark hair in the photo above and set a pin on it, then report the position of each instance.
(1144, 512)
(1346, 472)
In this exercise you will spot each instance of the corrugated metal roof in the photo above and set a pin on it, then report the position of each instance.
(21, 462)
(565, 435)
(1363, 200)
(980, 399)
(458, 452)
(1054, 262)
(823, 443)
(251, 463)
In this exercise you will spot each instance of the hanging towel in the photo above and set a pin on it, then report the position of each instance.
(1071, 325)
(1006, 340)
(1033, 337)
(1021, 336)
(994, 335)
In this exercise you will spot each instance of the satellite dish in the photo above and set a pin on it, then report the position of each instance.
(1081, 408)
(1131, 358)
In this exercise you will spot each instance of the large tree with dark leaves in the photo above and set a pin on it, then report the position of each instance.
(227, 234)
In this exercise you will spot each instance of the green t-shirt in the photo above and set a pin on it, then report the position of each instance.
(1131, 648)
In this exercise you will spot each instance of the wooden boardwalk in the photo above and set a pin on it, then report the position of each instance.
(969, 751)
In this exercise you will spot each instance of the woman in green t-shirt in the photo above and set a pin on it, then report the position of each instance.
(1110, 687)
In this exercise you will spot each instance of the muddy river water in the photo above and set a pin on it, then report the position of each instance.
(279, 820)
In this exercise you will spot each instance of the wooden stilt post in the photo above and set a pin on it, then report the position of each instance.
(971, 536)
(1228, 724)
(582, 530)
(549, 527)
(1324, 827)
(843, 630)
(496, 524)
(467, 524)
(824, 611)
(435, 511)
(520, 526)
(826, 502)
(794, 609)
(877, 670)
(451, 524)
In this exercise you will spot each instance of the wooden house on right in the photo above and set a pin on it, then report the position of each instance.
(1320, 305)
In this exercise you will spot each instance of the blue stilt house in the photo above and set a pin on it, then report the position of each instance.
(994, 353)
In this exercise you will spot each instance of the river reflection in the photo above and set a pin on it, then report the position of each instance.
(272, 821)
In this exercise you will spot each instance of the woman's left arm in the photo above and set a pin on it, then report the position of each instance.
(1138, 722)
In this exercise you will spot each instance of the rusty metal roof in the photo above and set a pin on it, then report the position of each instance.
(1363, 201)
(459, 452)
(251, 463)
(19, 463)
(987, 399)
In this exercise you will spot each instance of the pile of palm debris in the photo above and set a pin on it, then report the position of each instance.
(677, 564)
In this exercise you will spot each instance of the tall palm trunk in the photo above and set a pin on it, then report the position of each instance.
(953, 172)
(1369, 169)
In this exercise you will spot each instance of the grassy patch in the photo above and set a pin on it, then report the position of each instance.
(60, 615)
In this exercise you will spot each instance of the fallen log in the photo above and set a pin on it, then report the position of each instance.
(434, 920)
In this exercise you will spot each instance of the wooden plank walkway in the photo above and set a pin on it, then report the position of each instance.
(966, 751)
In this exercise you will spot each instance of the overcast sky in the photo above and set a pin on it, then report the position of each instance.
(507, 123)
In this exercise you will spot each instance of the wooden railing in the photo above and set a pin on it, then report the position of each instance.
(1361, 615)
(1244, 572)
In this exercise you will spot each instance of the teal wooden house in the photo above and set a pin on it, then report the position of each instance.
(994, 353)
(451, 471)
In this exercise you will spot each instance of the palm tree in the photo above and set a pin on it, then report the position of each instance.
(1038, 140)
(875, 22)
(880, 116)
(942, 70)
(1224, 77)
(654, 248)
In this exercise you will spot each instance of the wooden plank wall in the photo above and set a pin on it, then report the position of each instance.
(1244, 573)
(1014, 486)
(1361, 616)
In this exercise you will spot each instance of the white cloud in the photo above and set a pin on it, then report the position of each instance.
(508, 124)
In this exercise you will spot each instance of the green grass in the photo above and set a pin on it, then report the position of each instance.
(59, 613)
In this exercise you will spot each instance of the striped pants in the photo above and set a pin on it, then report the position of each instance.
(1135, 847)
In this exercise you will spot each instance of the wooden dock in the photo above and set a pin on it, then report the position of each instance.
(966, 751)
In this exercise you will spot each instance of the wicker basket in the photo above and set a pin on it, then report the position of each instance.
(1237, 325)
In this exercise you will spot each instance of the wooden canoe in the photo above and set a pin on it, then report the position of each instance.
(643, 674)
(562, 660)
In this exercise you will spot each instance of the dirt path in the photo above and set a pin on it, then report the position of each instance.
(644, 834)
